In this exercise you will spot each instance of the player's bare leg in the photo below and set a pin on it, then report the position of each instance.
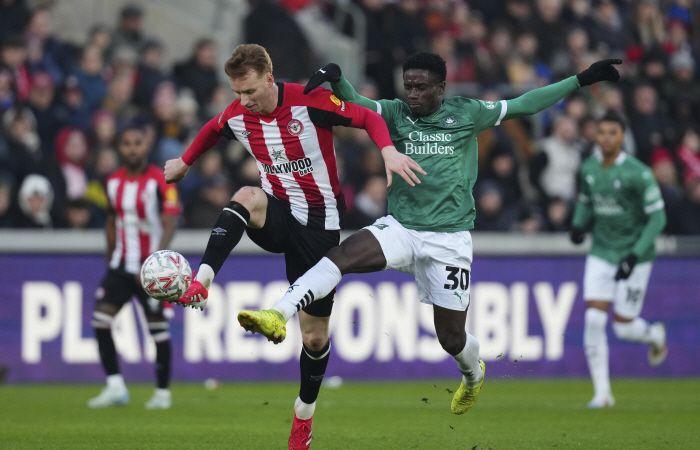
(314, 357)
(595, 343)
(359, 253)
(464, 348)
(247, 208)
(115, 392)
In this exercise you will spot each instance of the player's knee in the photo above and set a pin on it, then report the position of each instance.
(340, 257)
(315, 341)
(453, 341)
(160, 330)
(247, 196)
(102, 317)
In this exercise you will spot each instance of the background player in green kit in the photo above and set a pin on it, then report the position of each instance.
(427, 230)
(620, 203)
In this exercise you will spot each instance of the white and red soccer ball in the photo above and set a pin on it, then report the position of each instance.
(165, 275)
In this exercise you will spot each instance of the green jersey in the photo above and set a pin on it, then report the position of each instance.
(623, 205)
(444, 144)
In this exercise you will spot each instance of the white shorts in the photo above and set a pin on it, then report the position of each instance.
(627, 295)
(440, 262)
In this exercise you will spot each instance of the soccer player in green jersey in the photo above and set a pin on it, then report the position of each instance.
(620, 203)
(427, 230)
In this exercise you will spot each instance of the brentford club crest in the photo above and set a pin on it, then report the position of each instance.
(295, 127)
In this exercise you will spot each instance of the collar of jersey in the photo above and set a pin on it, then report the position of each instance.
(619, 160)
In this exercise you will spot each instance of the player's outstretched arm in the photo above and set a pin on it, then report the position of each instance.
(341, 86)
(538, 99)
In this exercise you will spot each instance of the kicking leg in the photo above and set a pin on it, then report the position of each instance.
(627, 324)
(359, 253)
(464, 348)
(246, 209)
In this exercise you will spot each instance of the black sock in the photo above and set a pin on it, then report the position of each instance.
(225, 235)
(312, 367)
(108, 352)
(163, 364)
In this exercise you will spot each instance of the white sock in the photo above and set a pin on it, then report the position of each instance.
(638, 330)
(314, 285)
(468, 362)
(205, 275)
(595, 343)
(116, 381)
(304, 411)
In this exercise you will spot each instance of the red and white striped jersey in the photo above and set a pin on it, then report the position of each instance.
(137, 202)
(293, 148)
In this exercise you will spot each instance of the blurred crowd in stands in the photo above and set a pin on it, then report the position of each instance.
(62, 103)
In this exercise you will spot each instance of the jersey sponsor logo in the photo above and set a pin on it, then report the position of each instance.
(171, 196)
(489, 105)
(295, 127)
(336, 101)
(606, 206)
(302, 166)
(428, 144)
(244, 134)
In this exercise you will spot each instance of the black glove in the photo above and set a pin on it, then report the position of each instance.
(330, 72)
(600, 71)
(624, 269)
(577, 235)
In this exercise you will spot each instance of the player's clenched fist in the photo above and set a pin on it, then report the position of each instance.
(402, 165)
(175, 170)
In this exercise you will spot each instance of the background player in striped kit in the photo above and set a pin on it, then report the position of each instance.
(142, 218)
(296, 211)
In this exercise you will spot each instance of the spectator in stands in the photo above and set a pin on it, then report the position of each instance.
(14, 15)
(13, 57)
(206, 207)
(649, 126)
(90, 78)
(129, 32)
(35, 201)
(7, 89)
(369, 204)
(689, 154)
(271, 26)
(199, 72)
(149, 73)
(78, 214)
(42, 104)
(664, 169)
(72, 106)
(492, 214)
(560, 156)
(72, 156)
(22, 155)
(558, 215)
(691, 208)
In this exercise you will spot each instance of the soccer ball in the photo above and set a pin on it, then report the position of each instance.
(165, 275)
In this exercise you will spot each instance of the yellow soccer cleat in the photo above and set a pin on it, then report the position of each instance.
(465, 397)
(268, 322)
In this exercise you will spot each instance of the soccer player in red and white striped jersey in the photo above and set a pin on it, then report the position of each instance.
(296, 210)
(143, 213)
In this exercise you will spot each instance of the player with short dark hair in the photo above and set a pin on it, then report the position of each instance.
(427, 230)
(142, 218)
(620, 203)
(296, 211)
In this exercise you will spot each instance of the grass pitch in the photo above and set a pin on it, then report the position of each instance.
(533, 414)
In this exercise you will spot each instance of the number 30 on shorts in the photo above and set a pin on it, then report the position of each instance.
(457, 278)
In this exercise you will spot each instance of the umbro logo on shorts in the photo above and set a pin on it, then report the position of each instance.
(381, 226)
